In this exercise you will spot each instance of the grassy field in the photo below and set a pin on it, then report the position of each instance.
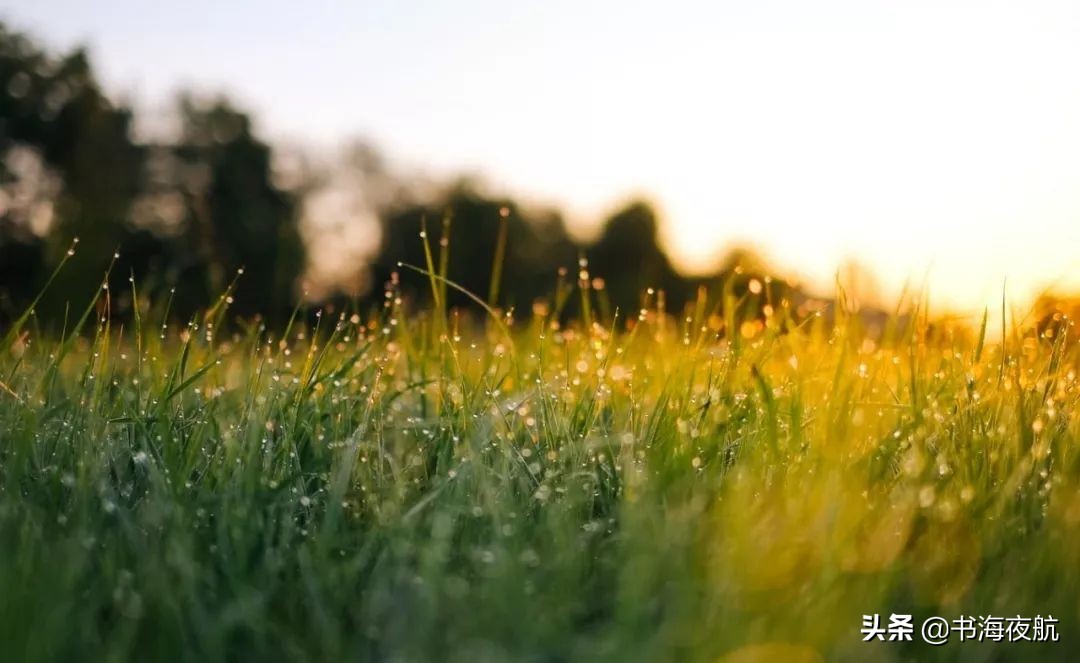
(427, 486)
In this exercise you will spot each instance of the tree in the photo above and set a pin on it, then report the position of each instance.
(469, 227)
(54, 107)
(190, 212)
(236, 217)
(628, 257)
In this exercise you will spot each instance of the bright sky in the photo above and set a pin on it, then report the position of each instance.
(931, 138)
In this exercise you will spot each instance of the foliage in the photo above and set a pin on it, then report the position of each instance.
(186, 214)
(190, 211)
(487, 237)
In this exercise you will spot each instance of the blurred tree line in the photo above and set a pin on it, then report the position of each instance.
(188, 213)
(185, 216)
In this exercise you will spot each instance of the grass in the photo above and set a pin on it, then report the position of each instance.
(428, 486)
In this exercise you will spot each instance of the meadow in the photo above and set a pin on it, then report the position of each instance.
(418, 483)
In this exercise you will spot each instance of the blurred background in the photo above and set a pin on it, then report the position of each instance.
(916, 144)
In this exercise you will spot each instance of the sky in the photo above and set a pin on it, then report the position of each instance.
(936, 143)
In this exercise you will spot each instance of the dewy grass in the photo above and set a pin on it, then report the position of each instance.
(434, 487)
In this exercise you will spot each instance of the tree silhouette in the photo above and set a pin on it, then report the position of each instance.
(628, 256)
(56, 107)
(236, 217)
(191, 211)
(535, 245)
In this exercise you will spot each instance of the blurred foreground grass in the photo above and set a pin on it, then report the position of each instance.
(418, 487)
